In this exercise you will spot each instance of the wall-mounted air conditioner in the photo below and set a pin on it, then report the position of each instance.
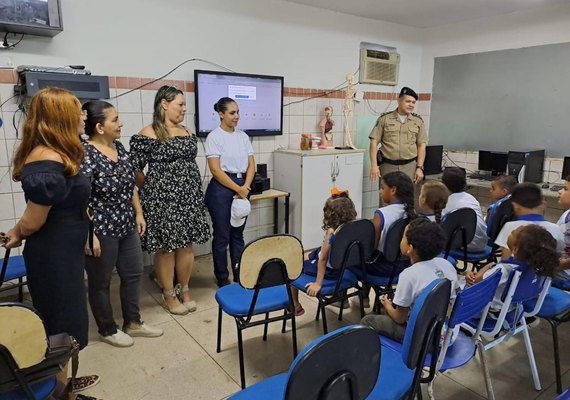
(379, 67)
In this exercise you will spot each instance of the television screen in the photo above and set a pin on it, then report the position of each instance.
(259, 97)
(34, 17)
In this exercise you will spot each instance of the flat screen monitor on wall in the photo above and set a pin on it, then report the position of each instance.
(259, 97)
(32, 17)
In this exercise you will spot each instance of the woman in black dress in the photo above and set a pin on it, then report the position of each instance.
(171, 196)
(55, 222)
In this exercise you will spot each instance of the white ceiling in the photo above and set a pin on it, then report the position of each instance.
(427, 13)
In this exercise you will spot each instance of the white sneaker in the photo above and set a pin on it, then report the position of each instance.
(144, 330)
(119, 339)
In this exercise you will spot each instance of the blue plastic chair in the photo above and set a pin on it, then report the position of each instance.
(266, 268)
(352, 245)
(28, 366)
(522, 286)
(556, 310)
(498, 217)
(13, 268)
(322, 371)
(402, 364)
(473, 301)
(392, 257)
(459, 226)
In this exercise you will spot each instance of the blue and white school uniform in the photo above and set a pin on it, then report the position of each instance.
(506, 266)
(389, 215)
(465, 200)
(311, 265)
(492, 208)
(537, 219)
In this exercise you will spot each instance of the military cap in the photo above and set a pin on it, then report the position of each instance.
(406, 91)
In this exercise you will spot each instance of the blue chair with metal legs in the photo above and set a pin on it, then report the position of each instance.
(13, 268)
(556, 310)
(459, 226)
(521, 287)
(352, 245)
(342, 364)
(267, 267)
(402, 364)
(472, 302)
(392, 258)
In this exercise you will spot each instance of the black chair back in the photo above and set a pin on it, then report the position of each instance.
(502, 214)
(459, 227)
(394, 235)
(343, 365)
(353, 243)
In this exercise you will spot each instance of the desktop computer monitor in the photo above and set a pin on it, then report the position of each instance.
(493, 161)
(565, 169)
(432, 163)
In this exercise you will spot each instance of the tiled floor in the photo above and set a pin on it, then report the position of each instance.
(183, 364)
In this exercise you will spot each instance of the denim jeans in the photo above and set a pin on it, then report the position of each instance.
(218, 200)
(126, 254)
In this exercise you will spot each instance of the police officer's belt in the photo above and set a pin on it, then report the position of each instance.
(398, 162)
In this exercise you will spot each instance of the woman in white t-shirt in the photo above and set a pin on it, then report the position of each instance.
(230, 159)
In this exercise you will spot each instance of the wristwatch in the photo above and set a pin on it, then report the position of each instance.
(420, 167)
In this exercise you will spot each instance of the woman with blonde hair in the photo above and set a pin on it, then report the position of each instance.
(55, 221)
(171, 196)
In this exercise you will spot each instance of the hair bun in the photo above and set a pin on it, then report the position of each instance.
(216, 107)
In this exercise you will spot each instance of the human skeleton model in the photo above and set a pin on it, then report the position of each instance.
(347, 108)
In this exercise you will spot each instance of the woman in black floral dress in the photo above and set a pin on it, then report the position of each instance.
(118, 223)
(171, 196)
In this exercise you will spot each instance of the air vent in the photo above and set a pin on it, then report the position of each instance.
(379, 67)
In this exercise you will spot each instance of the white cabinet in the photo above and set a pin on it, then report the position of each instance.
(308, 176)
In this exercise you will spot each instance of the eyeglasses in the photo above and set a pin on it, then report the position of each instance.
(83, 114)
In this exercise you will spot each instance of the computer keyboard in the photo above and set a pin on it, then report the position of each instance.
(556, 188)
(482, 177)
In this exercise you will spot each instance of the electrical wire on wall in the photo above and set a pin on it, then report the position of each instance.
(171, 71)
(5, 45)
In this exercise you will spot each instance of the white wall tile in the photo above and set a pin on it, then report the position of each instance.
(4, 159)
(296, 124)
(130, 102)
(5, 178)
(6, 206)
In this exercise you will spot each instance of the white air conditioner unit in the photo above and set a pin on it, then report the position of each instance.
(379, 67)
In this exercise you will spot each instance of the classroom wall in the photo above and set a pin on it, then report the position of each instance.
(521, 29)
(313, 49)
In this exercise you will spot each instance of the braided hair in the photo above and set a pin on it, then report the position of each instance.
(404, 190)
(435, 196)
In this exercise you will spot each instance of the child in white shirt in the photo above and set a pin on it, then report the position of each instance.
(423, 240)
(456, 181)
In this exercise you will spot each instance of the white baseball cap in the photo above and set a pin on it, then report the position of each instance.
(240, 210)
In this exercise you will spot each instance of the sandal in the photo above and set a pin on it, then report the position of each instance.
(85, 382)
(178, 309)
(299, 310)
(190, 305)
